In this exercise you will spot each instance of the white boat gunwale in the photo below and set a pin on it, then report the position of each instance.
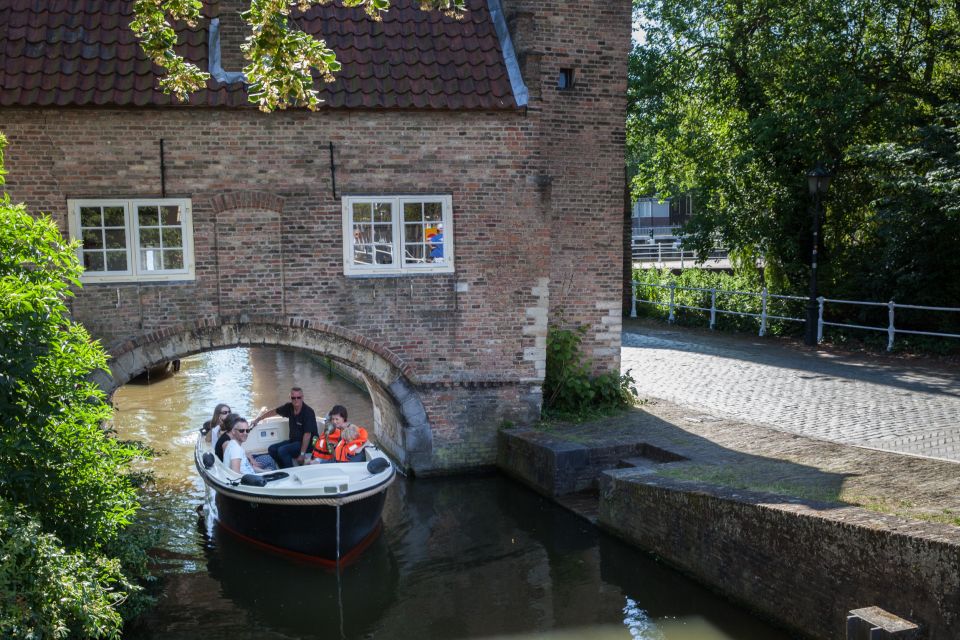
(312, 481)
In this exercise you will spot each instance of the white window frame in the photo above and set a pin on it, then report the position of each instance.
(397, 267)
(135, 271)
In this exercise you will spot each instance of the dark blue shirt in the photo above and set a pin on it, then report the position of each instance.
(305, 421)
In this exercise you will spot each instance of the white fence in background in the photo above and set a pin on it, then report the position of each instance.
(662, 252)
(650, 232)
(765, 316)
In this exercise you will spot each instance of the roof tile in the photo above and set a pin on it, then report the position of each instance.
(82, 52)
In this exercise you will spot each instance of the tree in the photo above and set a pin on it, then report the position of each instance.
(283, 59)
(736, 100)
(67, 494)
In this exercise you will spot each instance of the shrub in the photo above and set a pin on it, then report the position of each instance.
(47, 591)
(65, 484)
(569, 389)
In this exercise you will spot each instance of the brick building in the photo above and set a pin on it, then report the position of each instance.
(461, 187)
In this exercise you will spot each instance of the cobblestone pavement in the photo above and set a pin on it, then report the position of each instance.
(874, 402)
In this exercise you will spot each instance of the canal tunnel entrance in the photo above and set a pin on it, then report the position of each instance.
(399, 420)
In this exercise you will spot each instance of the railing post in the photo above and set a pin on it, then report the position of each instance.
(891, 331)
(673, 287)
(634, 285)
(713, 307)
(763, 312)
(820, 302)
(659, 253)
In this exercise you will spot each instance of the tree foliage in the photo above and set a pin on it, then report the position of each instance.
(736, 100)
(65, 487)
(284, 60)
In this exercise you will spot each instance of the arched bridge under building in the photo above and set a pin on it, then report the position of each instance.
(401, 424)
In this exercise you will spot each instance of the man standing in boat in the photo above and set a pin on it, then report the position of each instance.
(303, 427)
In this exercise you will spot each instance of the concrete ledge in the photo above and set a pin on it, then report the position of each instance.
(804, 565)
(556, 467)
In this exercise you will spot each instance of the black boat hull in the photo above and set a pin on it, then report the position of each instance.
(310, 530)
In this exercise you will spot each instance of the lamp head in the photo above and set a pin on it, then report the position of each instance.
(819, 180)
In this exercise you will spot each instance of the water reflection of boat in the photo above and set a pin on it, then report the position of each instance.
(300, 599)
(324, 511)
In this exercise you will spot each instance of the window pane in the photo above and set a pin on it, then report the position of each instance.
(113, 217)
(92, 239)
(415, 253)
(149, 216)
(413, 233)
(433, 211)
(172, 238)
(149, 238)
(412, 212)
(93, 260)
(173, 259)
(151, 260)
(383, 243)
(362, 249)
(116, 260)
(437, 242)
(383, 234)
(361, 212)
(382, 212)
(170, 215)
(90, 217)
(116, 239)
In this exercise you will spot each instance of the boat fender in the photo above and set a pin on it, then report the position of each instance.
(377, 465)
(253, 480)
(207, 460)
(276, 475)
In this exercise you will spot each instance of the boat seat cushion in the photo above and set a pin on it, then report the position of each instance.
(265, 461)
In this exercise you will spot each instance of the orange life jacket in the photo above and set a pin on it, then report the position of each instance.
(352, 447)
(326, 445)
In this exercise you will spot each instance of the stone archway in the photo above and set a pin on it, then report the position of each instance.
(400, 419)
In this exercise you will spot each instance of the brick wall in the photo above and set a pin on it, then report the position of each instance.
(536, 209)
(802, 565)
(582, 150)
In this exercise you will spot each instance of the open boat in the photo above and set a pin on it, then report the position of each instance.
(325, 511)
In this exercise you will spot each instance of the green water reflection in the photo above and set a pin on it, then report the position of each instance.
(469, 557)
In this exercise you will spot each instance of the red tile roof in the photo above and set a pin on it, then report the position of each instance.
(63, 52)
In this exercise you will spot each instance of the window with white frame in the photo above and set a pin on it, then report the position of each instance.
(133, 240)
(397, 234)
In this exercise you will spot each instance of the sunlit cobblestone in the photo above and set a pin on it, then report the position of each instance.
(874, 402)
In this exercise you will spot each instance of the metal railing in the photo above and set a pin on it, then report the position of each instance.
(665, 252)
(642, 231)
(765, 315)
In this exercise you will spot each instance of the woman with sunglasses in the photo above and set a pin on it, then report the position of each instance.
(211, 428)
(233, 454)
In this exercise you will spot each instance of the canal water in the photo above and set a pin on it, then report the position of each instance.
(465, 557)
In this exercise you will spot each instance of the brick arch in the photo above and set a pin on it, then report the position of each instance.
(403, 430)
(246, 200)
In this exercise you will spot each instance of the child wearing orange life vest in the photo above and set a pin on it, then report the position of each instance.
(352, 441)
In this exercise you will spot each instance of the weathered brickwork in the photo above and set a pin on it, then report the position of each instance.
(804, 565)
(536, 199)
(582, 147)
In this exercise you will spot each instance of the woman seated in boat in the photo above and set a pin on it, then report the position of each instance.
(225, 427)
(352, 441)
(211, 428)
(325, 446)
(234, 455)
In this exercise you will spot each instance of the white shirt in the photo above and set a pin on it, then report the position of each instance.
(233, 450)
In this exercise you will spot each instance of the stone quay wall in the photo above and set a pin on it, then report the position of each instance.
(803, 565)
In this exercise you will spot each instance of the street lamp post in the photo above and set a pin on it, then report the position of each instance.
(818, 181)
